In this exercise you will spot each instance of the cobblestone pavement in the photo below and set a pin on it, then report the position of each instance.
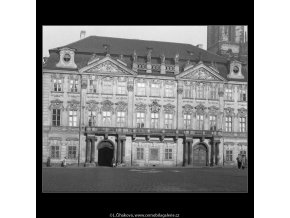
(107, 179)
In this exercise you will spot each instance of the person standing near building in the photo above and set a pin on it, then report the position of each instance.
(243, 161)
(64, 162)
(239, 160)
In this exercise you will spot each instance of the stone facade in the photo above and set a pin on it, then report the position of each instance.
(141, 118)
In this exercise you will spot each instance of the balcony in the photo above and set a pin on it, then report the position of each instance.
(151, 132)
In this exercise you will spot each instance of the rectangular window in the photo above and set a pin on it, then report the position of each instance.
(140, 153)
(74, 83)
(141, 89)
(228, 94)
(187, 121)
(242, 124)
(169, 91)
(72, 118)
(213, 93)
(199, 119)
(200, 92)
(168, 154)
(54, 152)
(140, 120)
(168, 121)
(187, 92)
(92, 118)
(243, 96)
(107, 118)
(229, 155)
(121, 118)
(56, 117)
(154, 154)
(93, 86)
(57, 85)
(122, 88)
(243, 153)
(155, 90)
(107, 87)
(228, 124)
(72, 152)
(212, 122)
(154, 120)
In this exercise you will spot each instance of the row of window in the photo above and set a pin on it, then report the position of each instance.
(107, 88)
(140, 120)
(55, 152)
(153, 154)
(229, 154)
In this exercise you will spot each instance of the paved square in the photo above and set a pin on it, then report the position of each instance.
(107, 179)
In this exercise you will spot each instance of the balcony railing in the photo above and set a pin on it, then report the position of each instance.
(150, 131)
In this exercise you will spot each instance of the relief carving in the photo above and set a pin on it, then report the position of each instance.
(56, 104)
(155, 107)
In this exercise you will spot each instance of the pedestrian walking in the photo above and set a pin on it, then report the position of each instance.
(244, 162)
(64, 162)
(239, 160)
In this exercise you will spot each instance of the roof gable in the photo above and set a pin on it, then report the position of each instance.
(107, 66)
(201, 72)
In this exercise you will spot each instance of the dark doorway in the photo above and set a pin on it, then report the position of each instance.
(105, 154)
(199, 155)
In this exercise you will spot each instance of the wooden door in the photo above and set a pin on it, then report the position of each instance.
(199, 156)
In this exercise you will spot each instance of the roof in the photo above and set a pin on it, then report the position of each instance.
(95, 44)
(85, 48)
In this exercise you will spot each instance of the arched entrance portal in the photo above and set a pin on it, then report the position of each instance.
(199, 155)
(105, 153)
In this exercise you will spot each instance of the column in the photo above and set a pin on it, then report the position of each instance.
(93, 150)
(179, 114)
(212, 152)
(185, 153)
(123, 151)
(88, 150)
(118, 151)
(217, 153)
(189, 152)
(130, 88)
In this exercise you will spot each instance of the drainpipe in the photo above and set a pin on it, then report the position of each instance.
(80, 120)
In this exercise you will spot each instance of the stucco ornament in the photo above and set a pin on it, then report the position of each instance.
(121, 106)
(56, 104)
(200, 109)
(213, 110)
(73, 105)
(229, 111)
(242, 112)
(200, 74)
(107, 106)
(187, 109)
(169, 108)
(155, 107)
(107, 67)
(140, 107)
(92, 105)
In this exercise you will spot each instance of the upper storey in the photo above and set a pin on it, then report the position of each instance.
(143, 57)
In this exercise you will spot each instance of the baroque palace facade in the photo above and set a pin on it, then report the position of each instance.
(143, 103)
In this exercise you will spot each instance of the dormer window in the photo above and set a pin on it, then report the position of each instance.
(235, 70)
(66, 57)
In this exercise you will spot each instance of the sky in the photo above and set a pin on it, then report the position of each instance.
(56, 36)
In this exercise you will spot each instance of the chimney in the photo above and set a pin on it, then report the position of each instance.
(200, 46)
(82, 34)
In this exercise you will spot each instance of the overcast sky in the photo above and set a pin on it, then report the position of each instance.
(56, 36)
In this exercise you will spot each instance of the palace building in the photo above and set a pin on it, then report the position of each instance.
(145, 103)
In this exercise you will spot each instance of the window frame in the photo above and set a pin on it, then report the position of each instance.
(154, 120)
(92, 115)
(229, 155)
(141, 89)
(213, 121)
(93, 88)
(139, 120)
(200, 91)
(242, 125)
(107, 119)
(187, 121)
(228, 94)
(74, 85)
(188, 91)
(107, 87)
(53, 151)
(139, 153)
(74, 152)
(121, 118)
(155, 91)
(200, 122)
(229, 124)
(168, 155)
(169, 91)
(57, 84)
(168, 120)
(122, 89)
(72, 118)
(57, 117)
